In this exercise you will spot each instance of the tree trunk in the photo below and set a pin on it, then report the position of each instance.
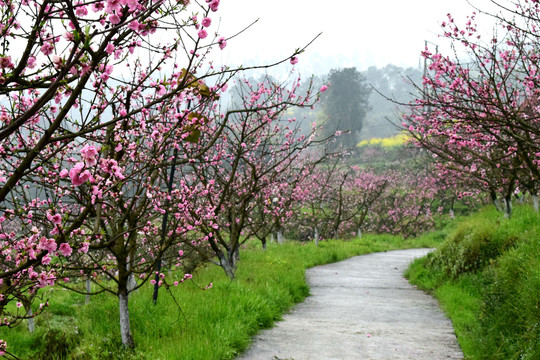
(535, 202)
(31, 322)
(125, 330)
(263, 241)
(498, 205)
(359, 232)
(132, 284)
(316, 237)
(280, 237)
(272, 240)
(452, 215)
(227, 266)
(496, 202)
(88, 290)
(507, 202)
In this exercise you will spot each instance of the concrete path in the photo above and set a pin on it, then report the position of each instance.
(361, 308)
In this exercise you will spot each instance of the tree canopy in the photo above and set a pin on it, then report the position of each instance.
(345, 105)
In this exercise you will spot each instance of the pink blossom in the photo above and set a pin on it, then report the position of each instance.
(84, 248)
(113, 5)
(46, 260)
(89, 155)
(206, 22)
(45, 279)
(47, 244)
(294, 60)
(97, 7)
(81, 11)
(57, 61)
(132, 4)
(3, 346)
(202, 33)
(108, 69)
(65, 249)
(55, 219)
(114, 19)
(109, 49)
(31, 62)
(118, 173)
(134, 25)
(78, 176)
(214, 5)
(5, 62)
(63, 173)
(47, 48)
(161, 90)
(323, 88)
(222, 43)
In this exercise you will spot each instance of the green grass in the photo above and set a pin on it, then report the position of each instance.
(486, 276)
(208, 324)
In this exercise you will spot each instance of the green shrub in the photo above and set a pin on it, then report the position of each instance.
(511, 313)
(487, 277)
(473, 244)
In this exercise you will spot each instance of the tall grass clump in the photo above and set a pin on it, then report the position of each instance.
(486, 275)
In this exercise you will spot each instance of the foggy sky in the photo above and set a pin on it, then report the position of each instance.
(358, 33)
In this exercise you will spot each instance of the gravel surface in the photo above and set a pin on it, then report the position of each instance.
(361, 308)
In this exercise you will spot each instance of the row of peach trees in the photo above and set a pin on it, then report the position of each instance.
(345, 196)
(476, 121)
(478, 114)
(116, 155)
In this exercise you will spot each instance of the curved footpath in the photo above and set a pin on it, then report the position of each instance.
(361, 308)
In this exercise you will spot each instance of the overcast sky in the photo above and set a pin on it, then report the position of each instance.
(358, 33)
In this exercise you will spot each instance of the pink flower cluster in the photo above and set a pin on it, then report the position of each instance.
(3, 346)
(214, 4)
(5, 62)
(222, 43)
(65, 249)
(79, 174)
(89, 154)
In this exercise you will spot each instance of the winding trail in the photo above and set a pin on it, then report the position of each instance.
(361, 308)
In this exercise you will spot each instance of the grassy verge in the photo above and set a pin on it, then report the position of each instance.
(206, 324)
(486, 276)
